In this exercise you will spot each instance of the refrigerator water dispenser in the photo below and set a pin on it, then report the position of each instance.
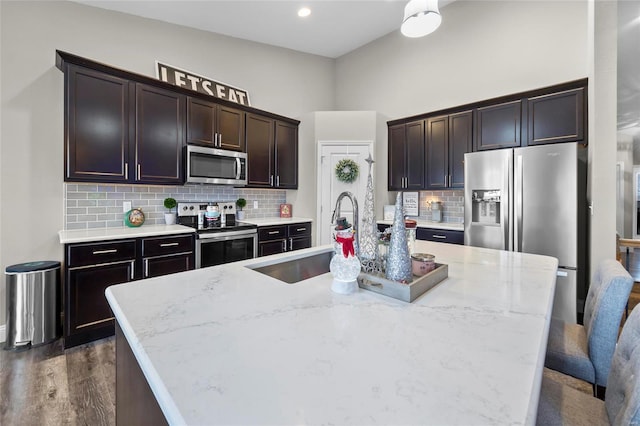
(486, 207)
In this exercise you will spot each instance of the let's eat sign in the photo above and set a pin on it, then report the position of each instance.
(197, 83)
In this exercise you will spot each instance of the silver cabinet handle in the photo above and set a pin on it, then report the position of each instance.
(126, 170)
(271, 180)
(290, 244)
(146, 268)
(284, 245)
(301, 229)
(105, 251)
(133, 270)
(219, 140)
(138, 178)
(169, 244)
(278, 180)
(440, 237)
(273, 232)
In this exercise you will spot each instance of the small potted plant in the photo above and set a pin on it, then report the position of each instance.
(170, 218)
(240, 203)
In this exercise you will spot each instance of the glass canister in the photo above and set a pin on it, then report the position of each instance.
(422, 263)
(345, 265)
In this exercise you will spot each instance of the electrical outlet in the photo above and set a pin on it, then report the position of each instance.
(255, 204)
(126, 206)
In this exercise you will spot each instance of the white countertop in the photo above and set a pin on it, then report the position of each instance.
(229, 345)
(69, 236)
(270, 221)
(434, 225)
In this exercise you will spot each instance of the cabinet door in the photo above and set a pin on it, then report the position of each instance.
(259, 139)
(159, 135)
(415, 156)
(272, 247)
(86, 305)
(437, 152)
(460, 142)
(430, 234)
(498, 126)
(396, 157)
(286, 155)
(230, 128)
(299, 243)
(164, 265)
(201, 122)
(558, 117)
(97, 126)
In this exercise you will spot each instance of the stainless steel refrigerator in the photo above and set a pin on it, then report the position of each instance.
(533, 200)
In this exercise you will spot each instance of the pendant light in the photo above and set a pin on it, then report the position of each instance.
(421, 17)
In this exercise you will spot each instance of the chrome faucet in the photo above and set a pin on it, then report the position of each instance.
(336, 215)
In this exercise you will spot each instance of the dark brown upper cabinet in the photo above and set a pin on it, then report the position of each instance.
(272, 153)
(447, 139)
(215, 125)
(122, 127)
(96, 126)
(121, 132)
(406, 156)
(557, 117)
(159, 136)
(498, 126)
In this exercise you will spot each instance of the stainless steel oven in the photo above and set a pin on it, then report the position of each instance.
(222, 240)
(224, 247)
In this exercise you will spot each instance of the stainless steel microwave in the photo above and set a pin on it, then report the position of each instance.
(216, 166)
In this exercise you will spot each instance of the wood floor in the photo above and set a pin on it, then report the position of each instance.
(50, 386)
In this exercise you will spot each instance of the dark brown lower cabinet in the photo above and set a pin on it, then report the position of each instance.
(92, 267)
(135, 402)
(88, 316)
(283, 238)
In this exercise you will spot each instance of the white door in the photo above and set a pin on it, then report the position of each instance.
(330, 187)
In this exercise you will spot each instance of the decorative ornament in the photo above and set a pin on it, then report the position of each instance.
(134, 218)
(368, 235)
(345, 266)
(398, 259)
(347, 170)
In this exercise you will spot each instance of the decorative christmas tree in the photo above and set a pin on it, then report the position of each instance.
(399, 260)
(368, 235)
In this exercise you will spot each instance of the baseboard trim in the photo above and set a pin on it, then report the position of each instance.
(3, 335)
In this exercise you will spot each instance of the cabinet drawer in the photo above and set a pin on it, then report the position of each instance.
(272, 232)
(98, 253)
(429, 234)
(300, 229)
(158, 246)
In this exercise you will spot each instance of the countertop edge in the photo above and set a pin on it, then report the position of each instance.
(69, 236)
(274, 221)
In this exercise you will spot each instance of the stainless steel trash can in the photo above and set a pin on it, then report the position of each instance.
(33, 297)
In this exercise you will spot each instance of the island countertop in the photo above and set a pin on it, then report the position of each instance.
(229, 345)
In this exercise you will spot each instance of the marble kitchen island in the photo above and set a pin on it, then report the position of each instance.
(229, 345)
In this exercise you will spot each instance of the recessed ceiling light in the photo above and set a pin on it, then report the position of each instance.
(304, 12)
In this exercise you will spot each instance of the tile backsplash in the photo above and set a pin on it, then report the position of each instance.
(452, 205)
(100, 205)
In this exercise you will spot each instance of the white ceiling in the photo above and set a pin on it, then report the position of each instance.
(335, 28)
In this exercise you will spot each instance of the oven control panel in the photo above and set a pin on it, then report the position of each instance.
(192, 208)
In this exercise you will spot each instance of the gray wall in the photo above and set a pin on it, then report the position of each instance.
(31, 152)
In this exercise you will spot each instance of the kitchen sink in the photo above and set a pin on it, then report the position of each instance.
(296, 270)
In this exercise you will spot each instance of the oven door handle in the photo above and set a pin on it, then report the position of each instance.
(226, 234)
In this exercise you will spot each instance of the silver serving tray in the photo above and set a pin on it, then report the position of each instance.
(405, 292)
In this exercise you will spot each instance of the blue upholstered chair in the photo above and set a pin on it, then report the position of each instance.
(585, 351)
(562, 405)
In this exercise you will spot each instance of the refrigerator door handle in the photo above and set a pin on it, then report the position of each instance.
(518, 197)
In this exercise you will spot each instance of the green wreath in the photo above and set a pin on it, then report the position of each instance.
(347, 170)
